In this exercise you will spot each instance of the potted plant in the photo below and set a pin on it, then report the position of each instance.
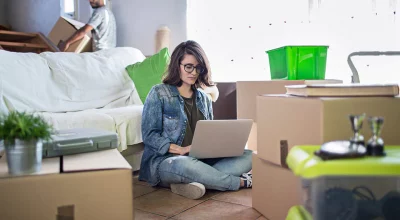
(23, 134)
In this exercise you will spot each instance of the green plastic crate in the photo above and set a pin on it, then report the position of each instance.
(298, 62)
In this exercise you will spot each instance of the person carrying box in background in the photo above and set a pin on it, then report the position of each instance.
(101, 24)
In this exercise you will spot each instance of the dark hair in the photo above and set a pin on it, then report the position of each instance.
(173, 77)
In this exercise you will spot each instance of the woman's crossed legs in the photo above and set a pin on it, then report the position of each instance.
(218, 174)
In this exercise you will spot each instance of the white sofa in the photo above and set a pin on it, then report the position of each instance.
(77, 90)
(87, 90)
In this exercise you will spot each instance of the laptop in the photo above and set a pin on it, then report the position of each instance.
(220, 138)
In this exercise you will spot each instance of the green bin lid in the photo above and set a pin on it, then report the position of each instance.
(302, 161)
(298, 213)
(298, 46)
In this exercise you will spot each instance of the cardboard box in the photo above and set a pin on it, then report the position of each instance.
(275, 189)
(247, 91)
(286, 121)
(64, 28)
(89, 186)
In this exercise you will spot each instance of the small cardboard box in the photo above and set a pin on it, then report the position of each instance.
(247, 91)
(275, 189)
(286, 121)
(94, 185)
(64, 28)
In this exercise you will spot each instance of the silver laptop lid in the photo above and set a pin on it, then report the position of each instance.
(220, 138)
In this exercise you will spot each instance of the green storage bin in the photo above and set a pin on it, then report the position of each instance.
(365, 188)
(298, 62)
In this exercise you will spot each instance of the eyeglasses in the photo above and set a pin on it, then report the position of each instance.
(189, 68)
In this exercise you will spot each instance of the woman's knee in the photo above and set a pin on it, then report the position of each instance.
(180, 160)
(248, 152)
(176, 163)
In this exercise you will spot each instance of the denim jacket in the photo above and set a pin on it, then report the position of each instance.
(163, 123)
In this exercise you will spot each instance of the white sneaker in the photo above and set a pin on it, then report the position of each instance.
(189, 190)
(248, 179)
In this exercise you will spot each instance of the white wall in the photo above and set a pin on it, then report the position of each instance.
(84, 11)
(138, 21)
(33, 15)
(236, 42)
(3, 16)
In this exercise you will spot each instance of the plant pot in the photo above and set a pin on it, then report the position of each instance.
(24, 157)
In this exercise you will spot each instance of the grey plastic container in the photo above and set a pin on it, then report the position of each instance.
(79, 140)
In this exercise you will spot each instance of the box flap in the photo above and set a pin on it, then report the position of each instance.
(77, 24)
(49, 166)
(74, 23)
(99, 160)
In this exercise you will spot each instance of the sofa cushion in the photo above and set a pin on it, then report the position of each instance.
(148, 73)
(63, 82)
(82, 119)
(127, 121)
(24, 80)
(93, 80)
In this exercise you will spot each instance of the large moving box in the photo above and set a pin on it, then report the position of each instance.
(275, 189)
(64, 28)
(94, 185)
(285, 121)
(247, 92)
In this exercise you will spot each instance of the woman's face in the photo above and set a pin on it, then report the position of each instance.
(189, 68)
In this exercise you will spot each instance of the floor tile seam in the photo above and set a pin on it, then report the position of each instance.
(230, 202)
(191, 207)
(142, 184)
(152, 213)
(145, 194)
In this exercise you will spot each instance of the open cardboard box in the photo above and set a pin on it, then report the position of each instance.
(94, 185)
(64, 28)
(286, 121)
(247, 92)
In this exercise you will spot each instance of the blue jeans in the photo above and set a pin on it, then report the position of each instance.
(217, 173)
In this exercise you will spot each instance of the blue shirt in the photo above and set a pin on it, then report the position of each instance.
(163, 123)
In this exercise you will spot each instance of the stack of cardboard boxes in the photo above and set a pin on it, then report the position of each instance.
(284, 121)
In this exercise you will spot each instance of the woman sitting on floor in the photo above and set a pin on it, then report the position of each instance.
(169, 120)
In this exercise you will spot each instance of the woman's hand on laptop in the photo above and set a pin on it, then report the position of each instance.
(175, 149)
(187, 150)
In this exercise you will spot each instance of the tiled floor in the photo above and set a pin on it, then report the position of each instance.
(160, 203)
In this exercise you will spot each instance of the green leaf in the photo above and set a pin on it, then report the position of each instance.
(24, 126)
